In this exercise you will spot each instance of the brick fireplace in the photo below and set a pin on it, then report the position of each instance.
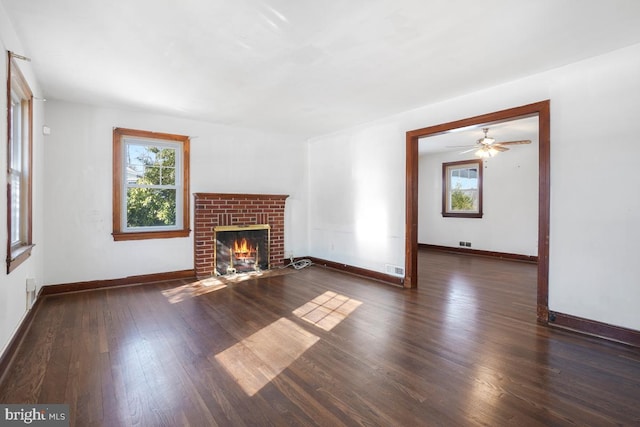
(222, 209)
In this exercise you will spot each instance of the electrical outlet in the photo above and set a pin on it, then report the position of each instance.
(467, 244)
(31, 292)
(462, 243)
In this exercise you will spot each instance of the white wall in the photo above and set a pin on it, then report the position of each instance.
(78, 189)
(13, 297)
(510, 203)
(356, 197)
(357, 177)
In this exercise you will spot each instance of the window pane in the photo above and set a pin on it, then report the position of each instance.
(15, 135)
(151, 176)
(461, 189)
(166, 157)
(150, 165)
(168, 176)
(135, 155)
(465, 178)
(151, 207)
(134, 174)
(15, 208)
(464, 199)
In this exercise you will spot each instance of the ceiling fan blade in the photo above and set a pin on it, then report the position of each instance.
(461, 146)
(499, 147)
(468, 151)
(522, 141)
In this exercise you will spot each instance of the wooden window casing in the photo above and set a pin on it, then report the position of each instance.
(120, 231)
(447, 189)
(19, 166)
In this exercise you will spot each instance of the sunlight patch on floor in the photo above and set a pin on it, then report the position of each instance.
(327, 310)
(194, 289)
(259, 358)
(211, 284)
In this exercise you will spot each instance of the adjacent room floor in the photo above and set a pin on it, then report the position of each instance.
(319, 347)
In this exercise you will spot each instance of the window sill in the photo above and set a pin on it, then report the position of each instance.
(18, 256)
(144, 235)
(462, 215)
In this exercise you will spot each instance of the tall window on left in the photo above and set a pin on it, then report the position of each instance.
(19, 163)
(151, 185)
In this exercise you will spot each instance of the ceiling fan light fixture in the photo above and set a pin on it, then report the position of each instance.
(486, 140)
(486, 152)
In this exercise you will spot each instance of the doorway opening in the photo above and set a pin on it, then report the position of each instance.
(539, 109)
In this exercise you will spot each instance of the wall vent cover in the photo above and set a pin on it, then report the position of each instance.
(395, 270)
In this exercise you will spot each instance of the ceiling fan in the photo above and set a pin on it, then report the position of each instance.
(488, 147)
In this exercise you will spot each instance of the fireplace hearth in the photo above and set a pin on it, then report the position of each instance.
(241, 210)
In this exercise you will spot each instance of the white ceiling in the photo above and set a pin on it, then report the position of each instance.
(454, 140)
(304, 67)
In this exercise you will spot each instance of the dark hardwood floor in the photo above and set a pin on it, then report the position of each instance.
(318, 347)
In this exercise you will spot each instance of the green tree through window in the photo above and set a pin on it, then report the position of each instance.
(462, 189)
(150, 185)
(461, 201)
(149, 204)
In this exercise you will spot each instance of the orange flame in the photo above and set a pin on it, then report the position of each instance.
(243, 249)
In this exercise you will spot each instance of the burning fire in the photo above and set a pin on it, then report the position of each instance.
(242, 249)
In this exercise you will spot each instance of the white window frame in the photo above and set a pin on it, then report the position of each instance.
(127, 141)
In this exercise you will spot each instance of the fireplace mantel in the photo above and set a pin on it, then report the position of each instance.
(216, 209)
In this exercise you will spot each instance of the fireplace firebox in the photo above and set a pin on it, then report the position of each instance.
(241, 249)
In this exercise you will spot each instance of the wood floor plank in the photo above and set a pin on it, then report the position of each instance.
(319, 347)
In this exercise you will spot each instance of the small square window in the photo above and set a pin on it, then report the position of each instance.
(462, 189)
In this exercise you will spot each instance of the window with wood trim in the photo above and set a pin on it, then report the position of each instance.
(462, 189)
(150, 185)
(19, 164)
